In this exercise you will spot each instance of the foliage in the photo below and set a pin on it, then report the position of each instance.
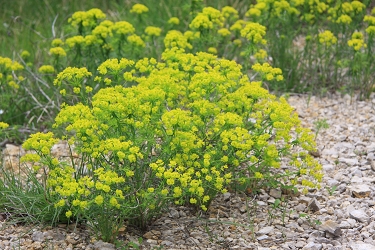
(191, 127)
(176, 110)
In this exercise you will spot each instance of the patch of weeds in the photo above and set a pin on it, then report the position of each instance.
(331, 190)
(129, 245)
(319, 125)
(309, 220)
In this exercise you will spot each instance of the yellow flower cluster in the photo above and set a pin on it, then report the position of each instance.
(7, 69)
(268, 72)
(123, 28)
(73, 75)
(254, 32)
(230, 13)
(174, 21)
(139, 9)
(136, 41)
(207, 19)
(86, 18)
(57, 42)
(153, 31)
(46, 69)
(175, 38)
(357, 41)
(57, 51)
(25, 54)
(327, 38)
(3, 125)
(6, 64)
(41, 142)
(75, 41)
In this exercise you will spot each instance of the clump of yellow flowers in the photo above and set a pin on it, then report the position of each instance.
(192, 127)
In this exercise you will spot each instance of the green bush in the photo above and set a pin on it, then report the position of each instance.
(191, 127)
(176, 110)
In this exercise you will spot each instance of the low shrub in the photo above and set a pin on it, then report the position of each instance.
(189, 127)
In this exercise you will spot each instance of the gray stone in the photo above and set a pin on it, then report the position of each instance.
(331, 227)
(226, 196)
(265, 230)
(371, 147)
(359, 215)
(262, 237)
(166, 243)
(174, 213)
(100, 245)
(38, 236)
(360, 190)
(312, 246)
(328, 167)
(345, 225)
(300, 207)
(276, 193)
(349, 161)
(361, 246)
(356, 179)
(314, 205)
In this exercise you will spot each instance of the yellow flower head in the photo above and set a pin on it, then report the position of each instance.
(327, 38)
(46, 69)
(229, 12)
(174, 21)
(357, 41)
(344, 19)
(57, 42)
(3, 125)
(25, 54)
(139, 9)
(224, 32)
(57, 51)
(136, 40)
(175, 38)
(254, 32)
(153, 31)
(123, 28)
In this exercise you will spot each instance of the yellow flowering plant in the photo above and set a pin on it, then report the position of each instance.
(192, 127)
(156, 114)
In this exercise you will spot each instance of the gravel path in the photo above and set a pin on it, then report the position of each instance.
(339, 216)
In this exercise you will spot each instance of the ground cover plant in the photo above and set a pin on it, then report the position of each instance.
(175, 109)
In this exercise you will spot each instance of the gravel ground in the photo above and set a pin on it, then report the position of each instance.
(338, 216)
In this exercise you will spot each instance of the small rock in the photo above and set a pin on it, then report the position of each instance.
(345, 225)
(300, 207)
(349, 161)
(314, 205)
(300, 244)
(152, 242)
(360, 191)
(361, 246)
(261, 203)
(37, 236)
(328, 167)
(359, 215)
(265, 230)
(275, 193)
(153, 234)
(312, 246)
(262, 237)
(356, 179)
(166, 243)
(331, 227)
(371, 147)
(174, 213)
(100, 245)
(226, 196)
